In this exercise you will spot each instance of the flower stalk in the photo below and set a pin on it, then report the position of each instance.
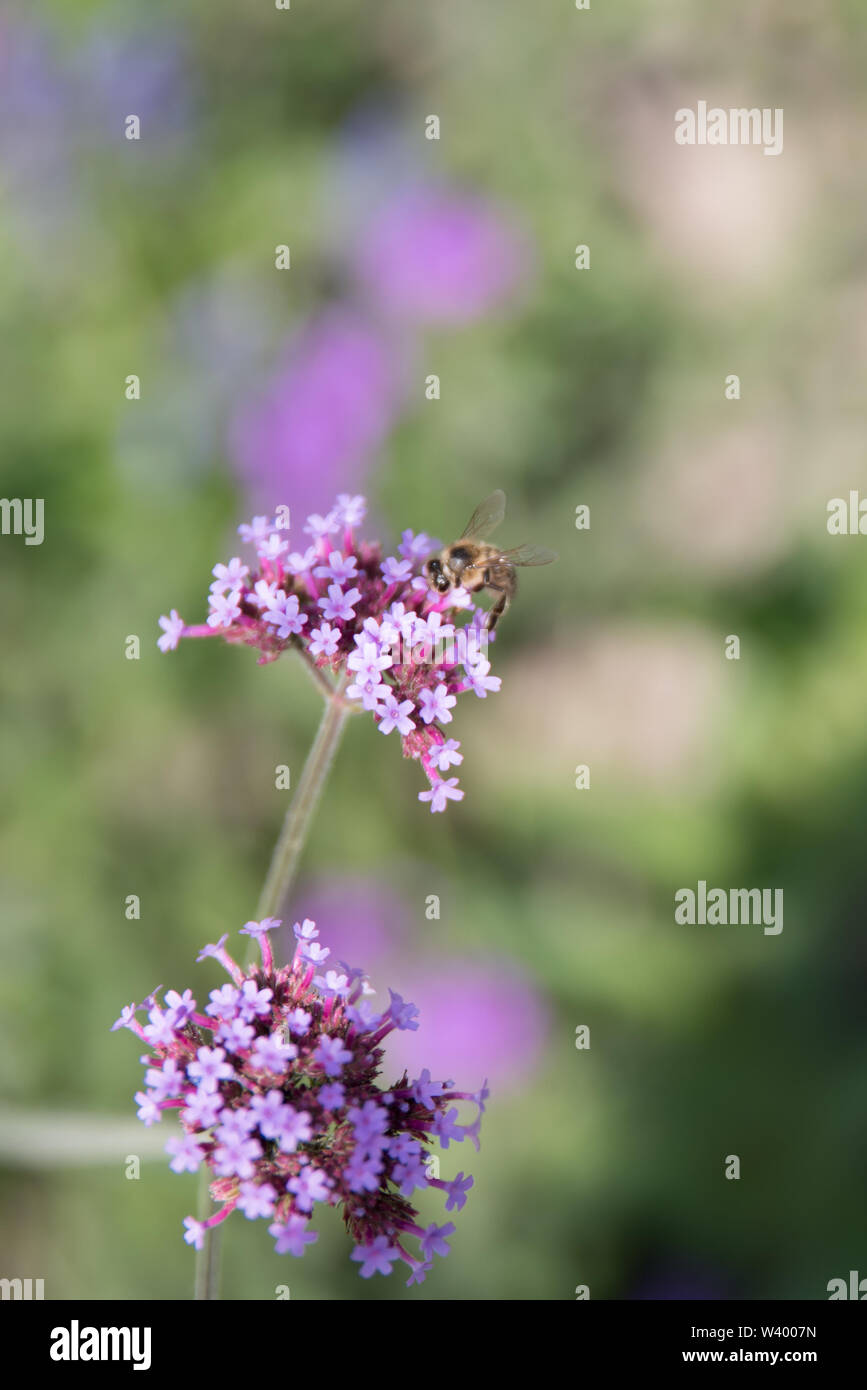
(287, 851)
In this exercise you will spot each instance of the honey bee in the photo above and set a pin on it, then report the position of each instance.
(472, 564)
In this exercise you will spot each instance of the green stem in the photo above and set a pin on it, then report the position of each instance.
(287, 851)
(281, 875)
(208, 1258)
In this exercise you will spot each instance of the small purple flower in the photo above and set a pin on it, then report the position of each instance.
(294, 1129)
(350, 511)
(332, 982)
(396, 571)
(339, 568)
(446, 755)
(235, 1123)
(410, 1174)
(301, 561)
(326, 640)
(224, 1001)
(375, 1258)
(310, 1186)
(333, 1055)
(259, 929)
(416, 548)
(338, 605)
(368, 1120)
(364, 1172)
(268, 1113)
(370, 692)
(225, 609)
(332, 1095)
(298, 1022)
(180, 1007)
(127, 1018)
(404, 1015)
(235, 1157)
(479, 681)
(229, 576)
(210, 1068)
(149, 1111)
(173, 628)
(316, 953)
(257, 1199)
(427, 1091)
(286, 617)
(446, 1128)
(256, 531)
(253, 1002)
(433, 1242)
(273, 1054)
(272, 547)
(396, 715)
(158, 1031)
(437, 704)
(166, 1081)
(442, 792)
(188, 1155)
(235, 1035)
(368, 663)
(292, 1236)
(195, 1232)
(203, 1109)
(457, 1190)
(321, 526)
(364, 1016)
(213, 950)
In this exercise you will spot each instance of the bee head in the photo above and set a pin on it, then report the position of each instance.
(436, 575)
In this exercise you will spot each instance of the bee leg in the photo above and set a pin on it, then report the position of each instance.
(498, 609)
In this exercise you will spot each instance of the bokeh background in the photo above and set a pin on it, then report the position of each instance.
(602, 387)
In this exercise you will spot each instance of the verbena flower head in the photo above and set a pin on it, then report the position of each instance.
(371, 620)
(276, 1088)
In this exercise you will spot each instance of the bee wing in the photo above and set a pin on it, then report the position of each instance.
(528, 555)
(487, 515)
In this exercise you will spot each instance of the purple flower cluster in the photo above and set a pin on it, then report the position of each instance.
(374, 622)
(276, 1088)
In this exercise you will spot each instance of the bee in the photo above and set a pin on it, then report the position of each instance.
(473, 564)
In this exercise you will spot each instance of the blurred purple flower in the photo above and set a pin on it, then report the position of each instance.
(440, 256)
(364, 920)
(126, 72)
(482, 1013)
(478, 1013)
(35, 99)
(325, 413)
